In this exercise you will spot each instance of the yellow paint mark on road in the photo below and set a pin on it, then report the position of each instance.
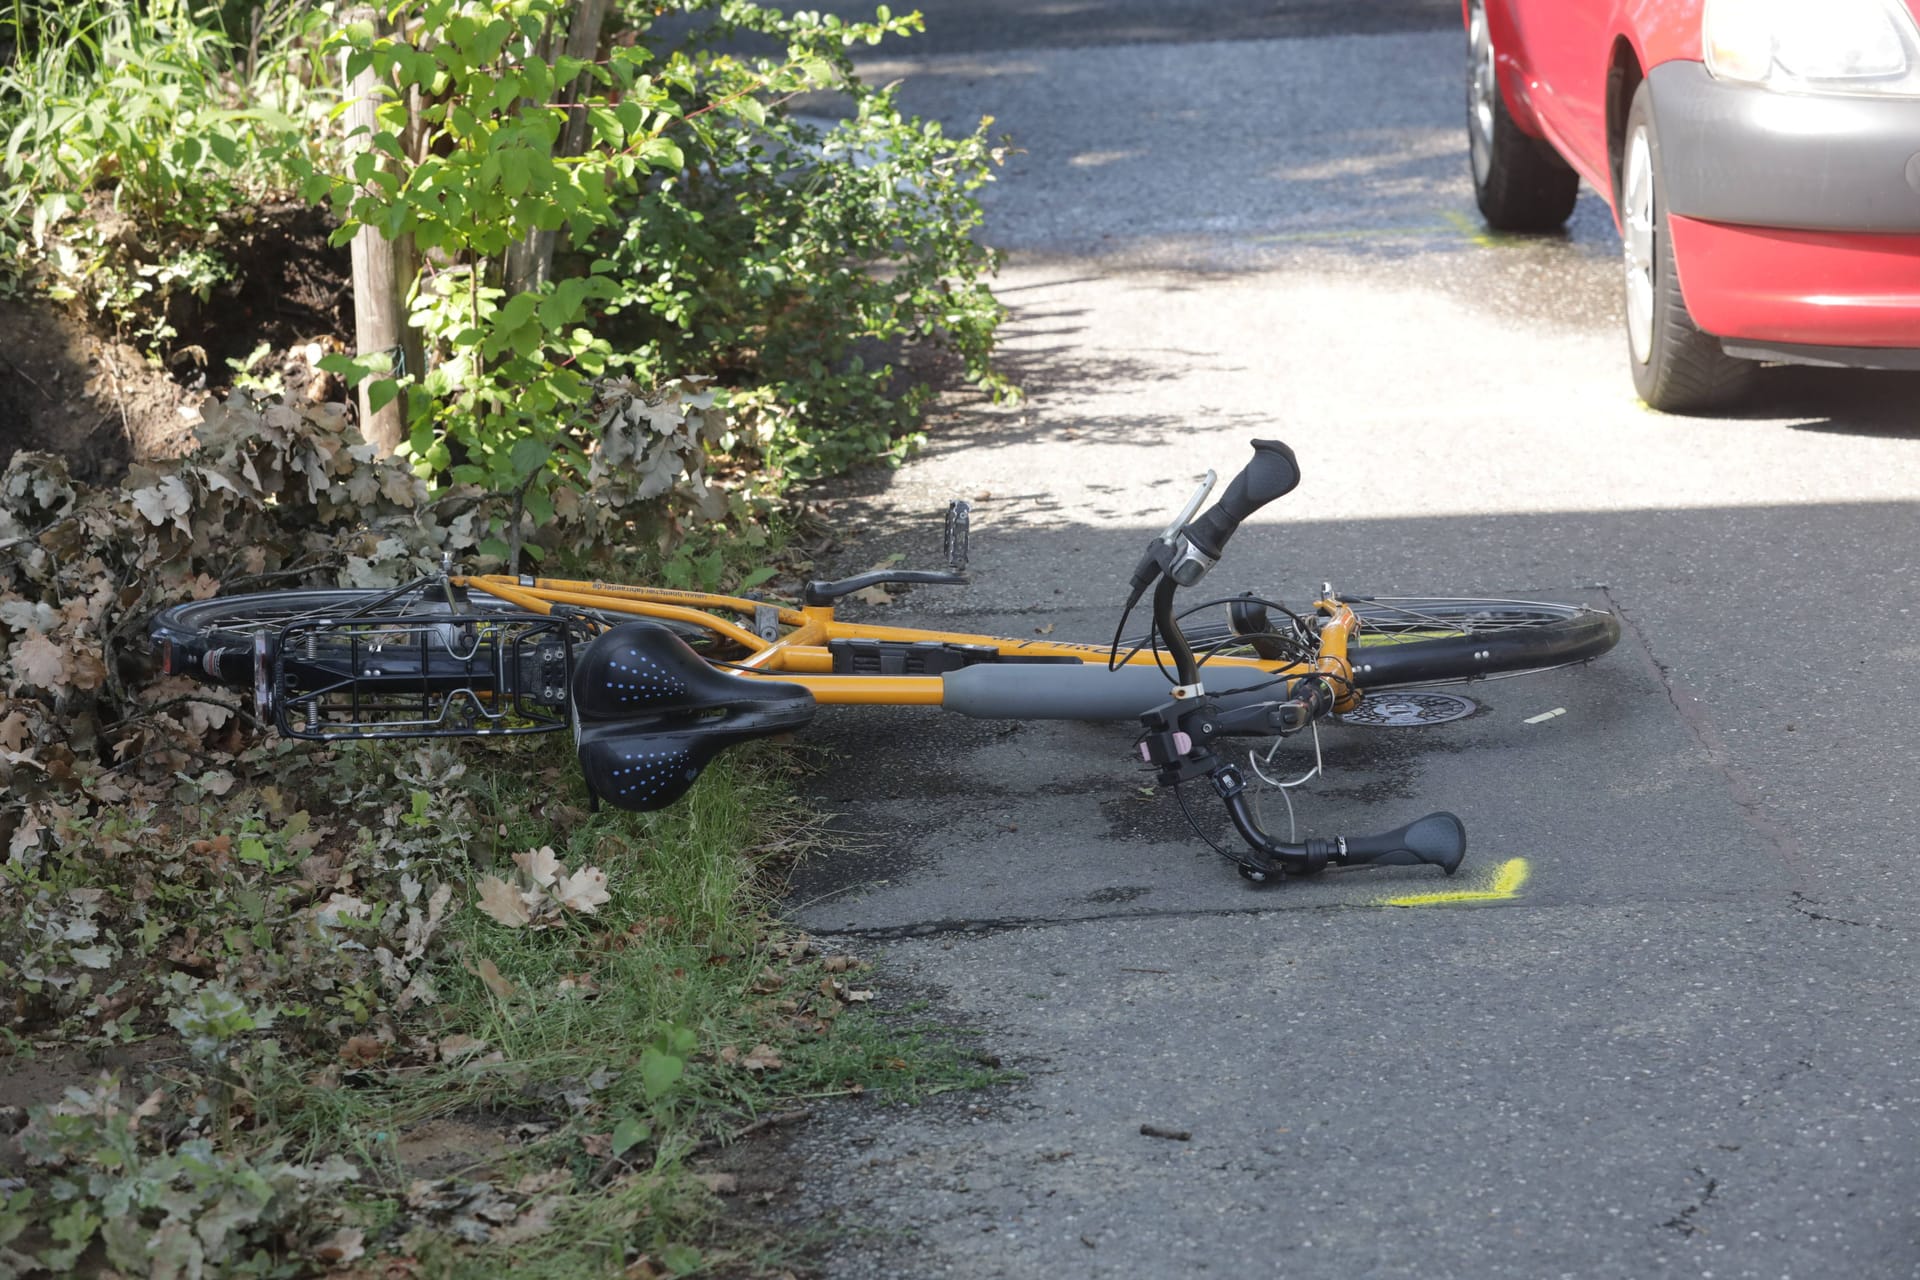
(1506, 884)
(1349, 233)
(1477, 231)
(1453, 223)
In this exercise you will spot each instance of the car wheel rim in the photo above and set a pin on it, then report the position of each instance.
(1637, 235)
(1481, 87)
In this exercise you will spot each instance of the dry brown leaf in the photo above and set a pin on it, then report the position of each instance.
(535, 1220)
(456, 1047)
(340, 1248)
(362, 1051)
(338, 907)
(40, 662)
(27, 835)
(13, 731)
(541, 866)
(88, 671)
(489, 973)
(503, 902)
(582, 891)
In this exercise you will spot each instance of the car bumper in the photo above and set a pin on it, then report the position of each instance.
(1813, 162)
(1801, 288)
(1795, 218)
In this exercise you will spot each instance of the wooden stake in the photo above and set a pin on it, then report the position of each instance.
(378, 287)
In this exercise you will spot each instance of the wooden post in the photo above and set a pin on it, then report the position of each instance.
(530, 262)
(378, 315)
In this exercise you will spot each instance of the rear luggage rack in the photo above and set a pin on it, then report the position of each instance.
(434, 675)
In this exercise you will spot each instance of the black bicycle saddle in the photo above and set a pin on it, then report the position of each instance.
(651, 714)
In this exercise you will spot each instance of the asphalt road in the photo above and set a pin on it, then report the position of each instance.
(1685, 1045)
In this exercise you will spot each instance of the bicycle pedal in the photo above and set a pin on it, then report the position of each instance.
(959, 518)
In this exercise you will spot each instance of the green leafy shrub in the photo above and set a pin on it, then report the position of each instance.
(793, 255)
(712, 232)
(159, 1204)
(132, 131)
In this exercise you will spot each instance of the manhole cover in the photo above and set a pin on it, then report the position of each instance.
(1404, 710)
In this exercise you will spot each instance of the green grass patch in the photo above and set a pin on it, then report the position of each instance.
(334, 1043)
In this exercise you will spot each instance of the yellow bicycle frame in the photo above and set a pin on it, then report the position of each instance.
(800, 654)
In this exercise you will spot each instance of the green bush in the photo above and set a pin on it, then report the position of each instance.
(713, 232)
(788, 252)
(131, 131)
(703, 228)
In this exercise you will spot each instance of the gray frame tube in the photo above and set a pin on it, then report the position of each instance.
(1059, 691)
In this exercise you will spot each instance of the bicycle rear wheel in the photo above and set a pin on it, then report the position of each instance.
(213, 640)
(1435, 640)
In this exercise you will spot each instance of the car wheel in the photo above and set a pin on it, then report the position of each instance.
(1677, 368)
(1520, 182)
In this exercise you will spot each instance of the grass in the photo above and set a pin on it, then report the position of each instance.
(586, 1062)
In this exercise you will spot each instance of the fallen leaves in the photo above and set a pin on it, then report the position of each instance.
(40, 663)
(481, 1212)
(489, 973)
(504, 902)
(542, 891)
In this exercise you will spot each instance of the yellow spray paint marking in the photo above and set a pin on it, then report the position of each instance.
(1453, 223)
(1506, 884)
(1477, 232)
(1352, 233)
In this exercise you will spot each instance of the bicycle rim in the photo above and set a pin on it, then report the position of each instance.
(1428, 640)
(233, 620)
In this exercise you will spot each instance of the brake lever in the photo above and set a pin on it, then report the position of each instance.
(1193, 505)
(1161, 551)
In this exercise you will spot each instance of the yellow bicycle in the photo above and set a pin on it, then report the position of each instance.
(656, 682)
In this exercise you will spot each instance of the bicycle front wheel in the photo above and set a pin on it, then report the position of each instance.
(1432, 640)
(1438, 641)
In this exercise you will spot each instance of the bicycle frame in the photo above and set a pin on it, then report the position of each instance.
(799, 653)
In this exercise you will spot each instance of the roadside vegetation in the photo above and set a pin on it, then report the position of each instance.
(396, 1008)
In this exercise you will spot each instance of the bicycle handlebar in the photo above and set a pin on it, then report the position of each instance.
(1180, 732)
(1272, 473)
(1439, 839)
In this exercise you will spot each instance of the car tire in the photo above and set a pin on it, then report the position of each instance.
(1519, 181)
(1677, 366)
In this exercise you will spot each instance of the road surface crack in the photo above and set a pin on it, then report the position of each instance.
(1683, 1222)
(1693, 715)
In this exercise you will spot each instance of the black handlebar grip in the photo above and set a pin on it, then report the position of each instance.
(1438, 838)
(1272, 473)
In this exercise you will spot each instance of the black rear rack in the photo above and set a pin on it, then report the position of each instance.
(429, 676)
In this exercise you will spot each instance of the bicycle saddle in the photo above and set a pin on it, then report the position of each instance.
(650, 714)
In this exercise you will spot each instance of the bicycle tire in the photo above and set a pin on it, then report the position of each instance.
(1432, 640)
(227, 624)
(201, 632)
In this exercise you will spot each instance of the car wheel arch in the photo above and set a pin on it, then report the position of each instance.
(1510, 62)
(1624, 74)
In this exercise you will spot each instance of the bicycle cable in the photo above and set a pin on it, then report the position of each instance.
(1187, 813)
(1114, 661)
(1318, 770)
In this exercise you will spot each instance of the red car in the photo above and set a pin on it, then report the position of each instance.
(1762, 158)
